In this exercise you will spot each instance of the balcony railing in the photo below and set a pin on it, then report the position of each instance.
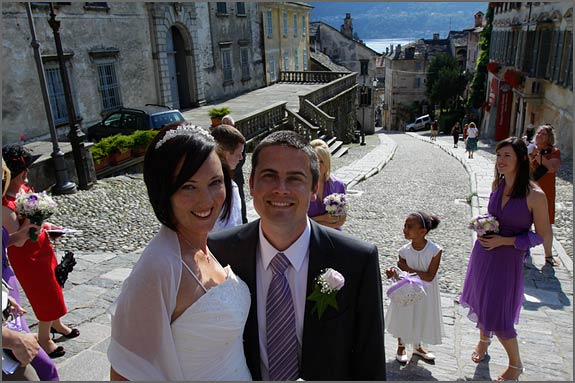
(310, 77)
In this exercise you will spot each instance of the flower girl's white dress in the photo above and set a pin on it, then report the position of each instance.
(422, 321)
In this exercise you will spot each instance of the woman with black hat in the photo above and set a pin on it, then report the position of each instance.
(34, 263)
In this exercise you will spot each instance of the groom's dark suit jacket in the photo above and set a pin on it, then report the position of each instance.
(345, 344)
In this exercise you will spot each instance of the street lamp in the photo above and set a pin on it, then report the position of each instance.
(63, 184)
(86, 178)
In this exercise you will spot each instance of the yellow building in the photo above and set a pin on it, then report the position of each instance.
(285, 38)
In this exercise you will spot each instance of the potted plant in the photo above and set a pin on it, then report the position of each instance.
(141, 139)
(100, 156)
(121, 148)
(216, 114)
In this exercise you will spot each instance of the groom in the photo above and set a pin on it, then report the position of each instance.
(280, 255)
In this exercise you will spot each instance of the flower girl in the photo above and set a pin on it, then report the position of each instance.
(421, 321)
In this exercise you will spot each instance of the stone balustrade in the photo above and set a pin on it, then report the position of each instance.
(302, 126)
(316, 116)
(313, 77)
(262, 121)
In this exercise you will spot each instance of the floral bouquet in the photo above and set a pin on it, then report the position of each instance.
(36, 207)
(325, 288)
(336, 204)
(484, 224)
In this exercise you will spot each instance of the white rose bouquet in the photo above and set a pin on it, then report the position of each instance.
(484, 224)
(326, 286)
(336, 204)
(36, 207)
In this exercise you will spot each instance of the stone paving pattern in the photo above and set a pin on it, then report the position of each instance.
(406, 172)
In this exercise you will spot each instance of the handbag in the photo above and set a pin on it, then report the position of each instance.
(540, 172)
(407, 290)
(65, 266)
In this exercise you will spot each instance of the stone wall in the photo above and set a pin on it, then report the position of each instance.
(86, 34)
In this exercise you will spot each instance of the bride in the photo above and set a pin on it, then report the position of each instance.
(180, 314)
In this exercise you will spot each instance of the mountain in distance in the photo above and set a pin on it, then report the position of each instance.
(394, 20)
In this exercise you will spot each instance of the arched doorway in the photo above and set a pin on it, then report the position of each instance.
(177, 69)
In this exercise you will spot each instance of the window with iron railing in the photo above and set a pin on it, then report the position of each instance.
(272, 68)
(303, 25)
(56, 94)
(285, 23)
(109, 87)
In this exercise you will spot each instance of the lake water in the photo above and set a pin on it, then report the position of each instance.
(379, 45)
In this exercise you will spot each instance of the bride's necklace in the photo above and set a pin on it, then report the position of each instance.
(196, 249)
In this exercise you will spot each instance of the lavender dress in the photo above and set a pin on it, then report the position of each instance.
(330, 186)
(493, 288)
(42, 363)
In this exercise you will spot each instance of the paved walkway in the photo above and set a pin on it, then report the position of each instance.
(252, 101)
(545, 328)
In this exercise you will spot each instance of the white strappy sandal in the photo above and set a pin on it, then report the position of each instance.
(477, 356)
(500, 378)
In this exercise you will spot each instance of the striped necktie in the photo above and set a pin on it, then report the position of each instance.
(282, 343)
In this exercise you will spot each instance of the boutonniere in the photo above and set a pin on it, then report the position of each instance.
(325, 288)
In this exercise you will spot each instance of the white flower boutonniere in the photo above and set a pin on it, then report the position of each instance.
(326, 286)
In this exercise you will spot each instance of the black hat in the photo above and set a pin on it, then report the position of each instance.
(18, 158)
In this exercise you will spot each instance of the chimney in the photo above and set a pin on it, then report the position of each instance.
(436, 36)
(478, 19)
(387, 50)
(390, 48)
(347, 26)
(410, 53)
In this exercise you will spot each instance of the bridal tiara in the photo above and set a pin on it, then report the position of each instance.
(184, 130)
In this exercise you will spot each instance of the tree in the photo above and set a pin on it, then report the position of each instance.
(479, 82)
(445, 80)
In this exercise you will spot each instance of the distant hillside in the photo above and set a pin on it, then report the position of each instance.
(382, 20)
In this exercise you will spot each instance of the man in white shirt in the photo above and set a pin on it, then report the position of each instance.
(342, 344)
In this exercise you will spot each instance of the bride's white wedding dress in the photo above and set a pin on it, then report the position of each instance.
(203, 343)
(208, 336)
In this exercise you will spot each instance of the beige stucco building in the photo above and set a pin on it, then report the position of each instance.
(533, 45)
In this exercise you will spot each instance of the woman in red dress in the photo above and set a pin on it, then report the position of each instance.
(34, 263)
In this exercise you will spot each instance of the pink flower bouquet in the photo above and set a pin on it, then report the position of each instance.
(484, 224)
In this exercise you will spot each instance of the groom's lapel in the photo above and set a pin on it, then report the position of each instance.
(247, 243)
(320, 248)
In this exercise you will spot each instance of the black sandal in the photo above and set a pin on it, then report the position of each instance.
(57, 352)
(551, 261)
(71, 335)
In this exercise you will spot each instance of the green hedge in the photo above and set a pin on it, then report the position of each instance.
(121, 142)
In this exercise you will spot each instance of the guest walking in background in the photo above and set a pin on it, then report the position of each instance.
(472, 137)
(230, 145)
(455, 132)
(180, 314)
(34, 263)
(493, 287)
(421, 321)
(44, 366)
(328, 184)
(434, 130)
(545, 160)
(238, 172)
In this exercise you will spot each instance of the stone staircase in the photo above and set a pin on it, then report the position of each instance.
(336, 147)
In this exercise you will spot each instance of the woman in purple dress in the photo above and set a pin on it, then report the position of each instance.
(328, 184)
(43, 365)
(493, 288)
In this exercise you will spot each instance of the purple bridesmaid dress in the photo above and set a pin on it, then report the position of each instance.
(493, 288)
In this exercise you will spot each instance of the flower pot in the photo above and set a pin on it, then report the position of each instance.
(139, 151)
(119, 157)
(216, 121)
(101, 164)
